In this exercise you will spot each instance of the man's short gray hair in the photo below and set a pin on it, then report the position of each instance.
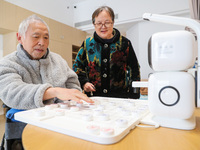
(26, 22)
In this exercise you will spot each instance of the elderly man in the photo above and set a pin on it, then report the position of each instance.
(34, 76)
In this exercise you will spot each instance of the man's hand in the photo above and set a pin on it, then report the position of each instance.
(66, 94)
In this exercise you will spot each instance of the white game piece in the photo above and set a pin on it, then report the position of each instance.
(87, 117)
(121, 123)
(107, 131)
(64, 105)
(112, 103)
(130, 104)
(126, 112)
(60, 112)
(101, 107)
(97, 102)
(54, 105)
(72, 103)
(98, 112)
(103, 117)
(142, 108)
(39, 113)
(135, 114)
(120, 108)
(49, 107)
(92, 105)
(93, 129)
(74, 108)
(79, 105)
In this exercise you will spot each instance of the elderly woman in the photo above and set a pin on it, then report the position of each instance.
(106, 63)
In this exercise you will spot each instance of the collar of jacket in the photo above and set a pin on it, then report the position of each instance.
(103, 41)
(20, 49)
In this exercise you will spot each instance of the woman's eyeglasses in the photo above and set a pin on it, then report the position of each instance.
(106, 24)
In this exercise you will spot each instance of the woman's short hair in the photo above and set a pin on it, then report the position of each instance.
(100, 9)
(26, 22)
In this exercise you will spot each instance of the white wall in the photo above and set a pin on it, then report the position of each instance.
(128, 10)
(140, 35)
(59, 10)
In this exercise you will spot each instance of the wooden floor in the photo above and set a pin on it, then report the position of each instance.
(2, 125)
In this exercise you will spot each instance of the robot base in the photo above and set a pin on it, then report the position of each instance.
(183, 124)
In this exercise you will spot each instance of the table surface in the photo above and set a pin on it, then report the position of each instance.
(34, 137)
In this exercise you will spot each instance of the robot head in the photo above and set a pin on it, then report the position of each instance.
(171, 51)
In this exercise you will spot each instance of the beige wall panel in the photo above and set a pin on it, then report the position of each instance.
(63, 49)
(61, 32)
(67, 33)
(9, 43)
(55, 30)
(54, 46)
(21, 14)
(66, 52)
(78, 37)
(74, 37)
(7, 16)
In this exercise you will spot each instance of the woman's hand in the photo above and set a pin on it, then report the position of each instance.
(89, 87)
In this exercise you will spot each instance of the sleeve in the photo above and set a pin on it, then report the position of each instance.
(134, 71)
(80, 65)
(72, 80)
(133, 63)
(17, 94)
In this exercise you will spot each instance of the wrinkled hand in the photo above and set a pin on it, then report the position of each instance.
(89, 87)
(66, 94)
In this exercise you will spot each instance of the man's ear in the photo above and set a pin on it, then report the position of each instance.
(19, 38)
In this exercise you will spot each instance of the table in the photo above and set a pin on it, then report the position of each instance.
(36, 138)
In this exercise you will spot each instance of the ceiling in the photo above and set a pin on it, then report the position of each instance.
(59, 10)
(63, 11)
(65, 8)
(74, 1)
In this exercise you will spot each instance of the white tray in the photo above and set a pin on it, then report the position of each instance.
(106, 122)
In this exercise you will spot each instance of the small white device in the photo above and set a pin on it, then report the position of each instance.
(171, 90)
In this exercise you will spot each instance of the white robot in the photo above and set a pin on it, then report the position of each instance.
(171, 90)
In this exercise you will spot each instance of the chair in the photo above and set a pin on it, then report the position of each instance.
(12, 136)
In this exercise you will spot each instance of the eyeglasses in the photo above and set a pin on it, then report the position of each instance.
(106, 24)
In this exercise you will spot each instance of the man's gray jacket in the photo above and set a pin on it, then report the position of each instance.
(23, 81)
